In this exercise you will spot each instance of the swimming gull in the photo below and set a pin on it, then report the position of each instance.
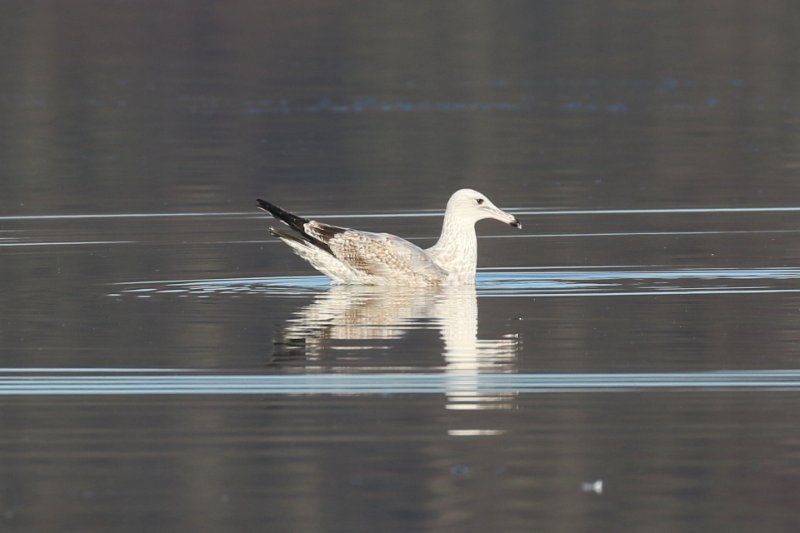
(351, 256)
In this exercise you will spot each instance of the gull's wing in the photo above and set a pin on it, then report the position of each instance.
(335, 251)
(377, 254)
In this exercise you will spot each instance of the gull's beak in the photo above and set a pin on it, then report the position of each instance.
(506, 218)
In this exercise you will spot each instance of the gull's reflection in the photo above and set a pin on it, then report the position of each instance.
(346, 319)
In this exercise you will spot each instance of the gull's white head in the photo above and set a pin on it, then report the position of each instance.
(471, 205)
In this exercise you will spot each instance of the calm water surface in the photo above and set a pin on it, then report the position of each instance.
(627, 362)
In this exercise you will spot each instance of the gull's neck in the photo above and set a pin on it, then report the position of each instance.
(457, 249)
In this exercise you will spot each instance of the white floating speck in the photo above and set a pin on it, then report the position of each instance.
(595, 487)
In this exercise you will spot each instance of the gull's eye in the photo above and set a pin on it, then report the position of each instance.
(480, 201)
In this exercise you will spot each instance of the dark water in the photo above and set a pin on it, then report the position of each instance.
(627, 362)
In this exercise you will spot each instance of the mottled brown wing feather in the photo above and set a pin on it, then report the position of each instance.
(377, 254)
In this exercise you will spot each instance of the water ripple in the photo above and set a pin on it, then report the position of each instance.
(534, 211)
(347, 384)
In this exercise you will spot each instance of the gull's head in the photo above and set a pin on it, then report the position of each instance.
(471, 205)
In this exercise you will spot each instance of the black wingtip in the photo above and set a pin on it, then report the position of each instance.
(287, 236)
(293, 221)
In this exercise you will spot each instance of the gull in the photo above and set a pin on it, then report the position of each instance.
(355, 257)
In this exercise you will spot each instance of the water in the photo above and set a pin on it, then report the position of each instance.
(627, 362)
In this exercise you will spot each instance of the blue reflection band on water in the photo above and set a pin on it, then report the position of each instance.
(518, 283)
(440, 383)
